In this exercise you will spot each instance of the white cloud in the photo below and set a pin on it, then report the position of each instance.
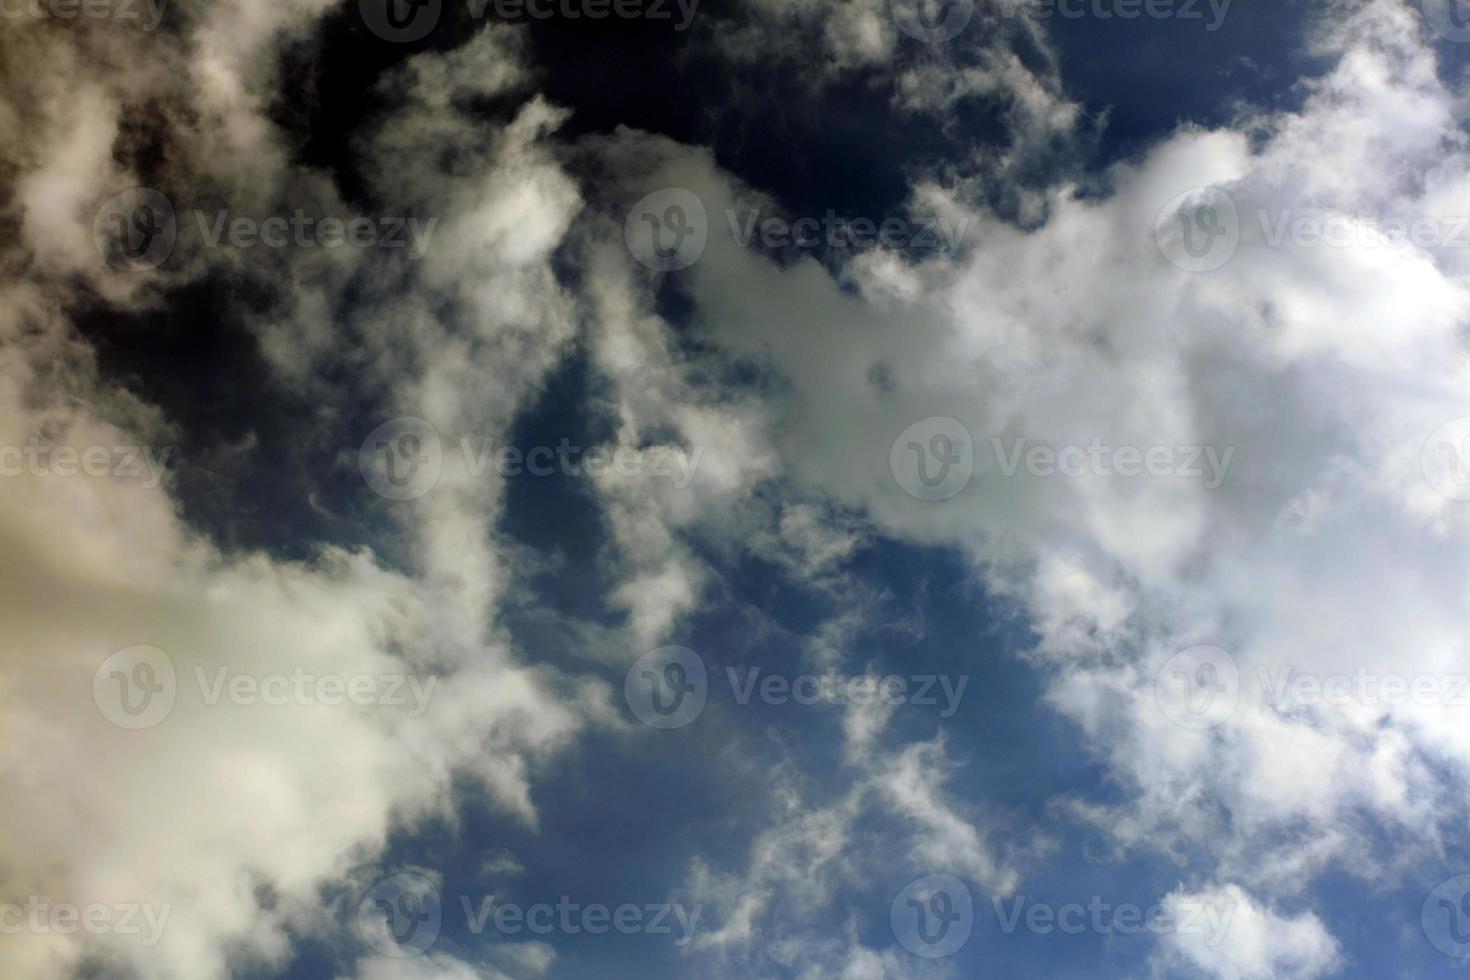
(1260, 944)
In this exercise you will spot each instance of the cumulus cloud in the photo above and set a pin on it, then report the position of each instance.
(1313, 372)
(1305, 375)
(232, 815)
(1261, 942)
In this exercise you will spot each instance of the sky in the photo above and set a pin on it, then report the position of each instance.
(903, 489)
